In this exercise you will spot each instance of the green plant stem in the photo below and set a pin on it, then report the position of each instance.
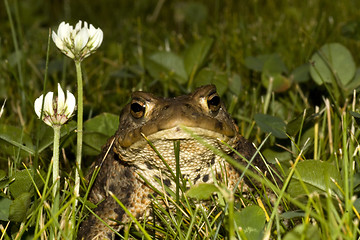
(56, 175)
(345, 169)
(79, 127)
(79, 138)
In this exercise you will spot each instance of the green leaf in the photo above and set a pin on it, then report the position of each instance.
(236, 84)
(15, 57)
(252, 221)
(271, 124)
(356, 205)
(301, 74)
(274, 64)
(274, 68)
(196, 54)
(19, 207)
(4, 209)
(210, 76)
(256, 63)
(353, 84)
(303, 231)
(316, 176)
(16, 137)
(351, 29)
(165, 66)
(202, 191)
(97, 130)
(3, 183)
(294, 126)
(270, 155)
(292, 214)
(356, 116)
(191, 12)
(356, 182)
(23, 183)
(2, 174)
(105, 123)
(280, 83)
(269, 62)
(332, 58)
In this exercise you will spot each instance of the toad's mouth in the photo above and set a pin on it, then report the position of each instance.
(138, 138)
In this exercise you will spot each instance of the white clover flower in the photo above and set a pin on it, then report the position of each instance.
(56, 111)
(77, 43)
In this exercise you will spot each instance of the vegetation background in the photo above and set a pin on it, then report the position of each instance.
(239, 46)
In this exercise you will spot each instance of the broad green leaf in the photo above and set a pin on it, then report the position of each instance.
(332, 58)
(15, 57)
(280, 83)
(16, 137)
(256, 63)
(351, 29)
(269, 62)
(292, 214)
(270, 155)
(97, 130)
(316, 176)
(2, 174)
(23, 183)
(165, 66)
(3, 183)
(294, 126)
(252, 221)
(236, 84)
(306, 140)
(356, 115)
(274, 64)
(356, 205)
(93, 142)
(271, 124)
(353, 84)
(274, 68)
(105, 123)
(301, 74)
(302, 231)
(19, 207)
(4, 208)
(196, 54)
(202, 191)
(191, 12)
(210, 76)
(356, 182)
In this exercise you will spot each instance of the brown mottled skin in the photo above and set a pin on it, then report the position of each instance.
(128, 155)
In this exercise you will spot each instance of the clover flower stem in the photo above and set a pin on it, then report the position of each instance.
(79, 127)
(79, 138)
(56, 176)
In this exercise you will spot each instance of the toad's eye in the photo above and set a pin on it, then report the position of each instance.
(213, 102)
(137, 108)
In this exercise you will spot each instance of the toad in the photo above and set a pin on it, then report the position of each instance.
(128, 159)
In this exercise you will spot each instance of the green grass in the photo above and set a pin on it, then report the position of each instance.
(319, 204)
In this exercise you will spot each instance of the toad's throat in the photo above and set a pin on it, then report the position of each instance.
(194, 154)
